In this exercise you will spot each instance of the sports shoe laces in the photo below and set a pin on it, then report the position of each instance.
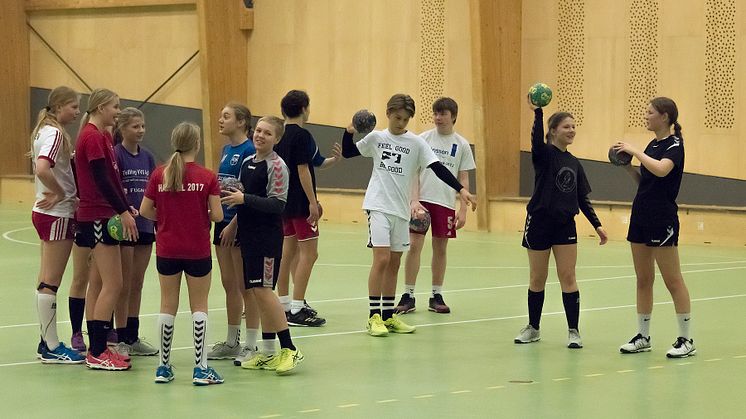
(439, 299)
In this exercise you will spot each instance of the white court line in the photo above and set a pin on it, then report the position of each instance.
(336, 300)
(482, 320)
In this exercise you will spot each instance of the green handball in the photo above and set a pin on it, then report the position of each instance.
(540, 95)
(115, 228)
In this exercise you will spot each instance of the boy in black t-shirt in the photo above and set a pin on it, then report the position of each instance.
(560, 190)
(654, 225)
(301, 215)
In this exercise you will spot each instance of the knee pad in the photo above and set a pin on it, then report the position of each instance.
(43, 285)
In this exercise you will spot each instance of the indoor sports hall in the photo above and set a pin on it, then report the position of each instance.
(602, 62)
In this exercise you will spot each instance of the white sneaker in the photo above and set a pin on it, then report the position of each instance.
(639, 343)
(682, 348)
(141, 347)
(245, 354)
(122, 349)
(528, 334)
(573, 339)
(222, 350)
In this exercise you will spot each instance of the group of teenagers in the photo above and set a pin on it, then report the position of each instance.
(263, 206)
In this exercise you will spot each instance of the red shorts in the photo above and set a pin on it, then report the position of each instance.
(442, 221)
(52, 228)
(299, 228)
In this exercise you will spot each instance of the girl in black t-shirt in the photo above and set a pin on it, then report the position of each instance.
(560, 190)
(654, 225)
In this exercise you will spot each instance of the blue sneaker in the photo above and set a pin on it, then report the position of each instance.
(61, 355)
(206, 376)
(164, 374)
(41, 347)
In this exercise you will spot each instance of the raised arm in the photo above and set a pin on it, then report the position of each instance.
(349, 149)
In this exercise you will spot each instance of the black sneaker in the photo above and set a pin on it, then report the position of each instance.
(304, 318)
(311, 309)
(437, 304)
(406, 304)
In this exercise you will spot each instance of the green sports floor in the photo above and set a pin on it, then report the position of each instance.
(459, 365)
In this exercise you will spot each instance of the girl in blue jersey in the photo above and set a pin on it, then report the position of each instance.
(234, 124)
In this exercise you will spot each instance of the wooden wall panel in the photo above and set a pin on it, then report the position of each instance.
(714, 148)
(223, 63)
(39, 5)
(498, 79)
(14, 100)
(353, 54)
(129, 50)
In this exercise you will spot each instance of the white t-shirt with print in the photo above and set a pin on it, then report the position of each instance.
(48, 145)
(397, 159)
(454, 153)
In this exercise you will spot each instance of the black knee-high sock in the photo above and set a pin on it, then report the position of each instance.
(374, 303)
(133, 330)
(77, 310)
(387, 307)
(97, 330)
(571, 301)
(535, 304)
(285, 340)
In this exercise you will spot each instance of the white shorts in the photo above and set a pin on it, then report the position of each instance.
(386, 230)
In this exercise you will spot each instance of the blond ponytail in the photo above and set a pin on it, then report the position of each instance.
(184, 139)
(58, 97)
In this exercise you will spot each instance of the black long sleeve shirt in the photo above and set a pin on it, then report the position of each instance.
(560, 186)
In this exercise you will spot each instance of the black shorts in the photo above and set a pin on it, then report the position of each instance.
(655, 236)
(260, 271)
(192, 267)
(143, 239)
(542, 232)
(91, 233)
(219, 227)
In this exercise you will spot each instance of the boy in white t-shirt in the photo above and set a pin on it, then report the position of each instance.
(398, 156)
(431, 195)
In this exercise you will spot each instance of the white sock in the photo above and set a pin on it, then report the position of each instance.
(46, 304)
(268, 347)
(643, 324)
(199, 328)
(296, 306)
(234, 335)
(166, 332)
(437, 289)
(251, 337)
(409, 289)
(684, 321)
(285, 301)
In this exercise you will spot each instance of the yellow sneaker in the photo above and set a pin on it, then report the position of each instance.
(288, 360)
(376, 327)
(396, 325)
(261, 361)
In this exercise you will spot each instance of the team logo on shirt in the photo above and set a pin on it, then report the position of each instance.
(565, 180)
(235, 159)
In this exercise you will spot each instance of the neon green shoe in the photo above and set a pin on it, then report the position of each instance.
(376, 327)
(288, 360)
(261, 361)
(396, 325)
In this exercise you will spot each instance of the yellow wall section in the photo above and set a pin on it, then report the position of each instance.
(681, 75)
(129, 50)
(353, 54)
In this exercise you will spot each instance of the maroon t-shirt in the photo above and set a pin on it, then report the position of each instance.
(183, 221)
(93, 145)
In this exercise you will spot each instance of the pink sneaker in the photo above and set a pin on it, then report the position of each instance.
(106, 361)
(77, 342)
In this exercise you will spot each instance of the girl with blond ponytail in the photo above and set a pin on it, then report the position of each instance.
(101, 197)
(183, 198)
(53, 215)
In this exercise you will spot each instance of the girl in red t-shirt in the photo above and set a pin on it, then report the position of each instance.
(183, 197)
(101, 197)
